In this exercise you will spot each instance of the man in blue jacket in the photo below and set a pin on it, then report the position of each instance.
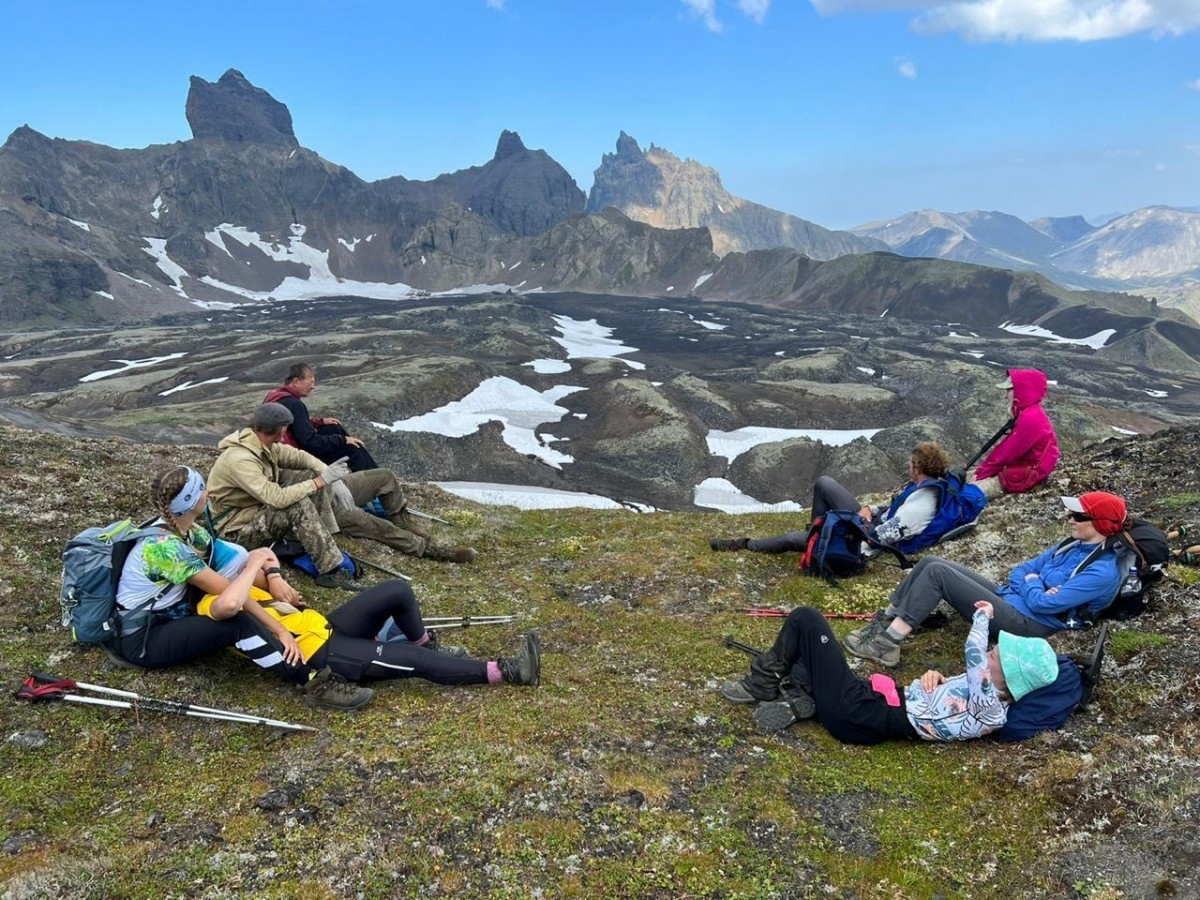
(1039, 598)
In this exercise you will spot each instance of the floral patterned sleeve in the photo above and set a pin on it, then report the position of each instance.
(963, 707)
(167, 559)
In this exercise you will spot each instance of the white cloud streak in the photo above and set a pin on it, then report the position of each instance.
(906, 68)
(1194, 85)
(755, 9)
(706, 12)
(494, 4)
(1034, 20)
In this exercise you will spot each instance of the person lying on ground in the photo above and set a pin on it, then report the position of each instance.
(898, 523)
(158, 625)
(324, 437)
(1028, 454)
(345, 641)
(1041, 596)
(805, 675)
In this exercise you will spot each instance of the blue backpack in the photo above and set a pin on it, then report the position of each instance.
(959, 505)
(293, 552)
(1047, 708)
(834, 548)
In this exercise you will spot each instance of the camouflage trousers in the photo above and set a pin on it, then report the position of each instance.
(397, 530)
(309, 520)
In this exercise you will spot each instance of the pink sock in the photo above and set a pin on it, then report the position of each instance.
(493, 670)
(422, 640)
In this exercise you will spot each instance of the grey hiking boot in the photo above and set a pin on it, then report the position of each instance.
(327, 688)
(719, 544)
(737, 692)
(874, 643)
(338, 578)
(786, 711)
(435, 643)
(438, 553)
(526, 667)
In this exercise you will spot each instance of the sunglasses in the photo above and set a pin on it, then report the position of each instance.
(1081, 517)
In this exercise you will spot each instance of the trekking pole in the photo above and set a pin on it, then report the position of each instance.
(40, 686)
(1007, 427)
(423, 515)
(384, 569)
(467, 621)
(738, 645)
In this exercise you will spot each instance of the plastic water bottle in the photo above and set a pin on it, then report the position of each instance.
(1133, 582)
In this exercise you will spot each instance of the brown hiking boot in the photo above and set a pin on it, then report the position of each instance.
(408, 523)
(439, 553)
(327, 688)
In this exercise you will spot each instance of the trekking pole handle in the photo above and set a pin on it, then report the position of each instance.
(43, 678)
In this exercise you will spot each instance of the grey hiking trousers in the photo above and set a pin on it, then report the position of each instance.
(934, 579)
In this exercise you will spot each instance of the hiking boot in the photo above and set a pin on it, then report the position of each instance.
(737, 692)
(719, 544)
(526, 667)
(786, 711)
(874, 643)
(327, 688)
(435, 644)
(338, 578)
(408, 523)
(439, 553)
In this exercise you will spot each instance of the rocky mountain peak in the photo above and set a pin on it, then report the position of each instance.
(627, 148)
(235, 110)
(510, 143)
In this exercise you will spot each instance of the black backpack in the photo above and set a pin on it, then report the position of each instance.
(1142, 557)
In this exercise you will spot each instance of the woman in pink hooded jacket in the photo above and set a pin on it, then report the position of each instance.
(1027, 456)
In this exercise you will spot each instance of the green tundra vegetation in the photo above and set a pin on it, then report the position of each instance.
(623, 775)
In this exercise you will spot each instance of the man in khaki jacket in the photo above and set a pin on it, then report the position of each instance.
(261, 490)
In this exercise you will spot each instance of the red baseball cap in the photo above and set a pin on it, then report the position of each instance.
(1106, 510)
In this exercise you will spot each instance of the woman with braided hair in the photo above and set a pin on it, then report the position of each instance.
(158, 624)
(240, 584)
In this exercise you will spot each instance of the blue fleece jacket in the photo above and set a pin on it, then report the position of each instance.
(1094, 587)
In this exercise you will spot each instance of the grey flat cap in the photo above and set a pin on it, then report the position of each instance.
(271, 415)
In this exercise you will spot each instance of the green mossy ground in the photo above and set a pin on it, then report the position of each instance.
(624, 775)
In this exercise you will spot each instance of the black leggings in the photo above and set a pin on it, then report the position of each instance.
(847, 706)
(827, 495)
(353, 652)
(170, 642)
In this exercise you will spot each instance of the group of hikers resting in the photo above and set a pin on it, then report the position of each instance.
(805, 673)
(206, 578)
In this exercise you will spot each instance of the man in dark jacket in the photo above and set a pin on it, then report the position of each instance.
(324, 438)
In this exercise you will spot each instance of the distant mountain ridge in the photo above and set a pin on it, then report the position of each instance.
(1154, 251)
(660, 189)
(242, 214)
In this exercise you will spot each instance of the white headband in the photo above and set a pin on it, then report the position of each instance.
(189, 495)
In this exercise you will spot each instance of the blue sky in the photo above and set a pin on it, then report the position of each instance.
(840, 111)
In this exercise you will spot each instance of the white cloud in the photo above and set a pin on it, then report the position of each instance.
(907, 68)
(1192, 148)
(755, 9)
(705, 10)
(1160, 167)
(1194, 85)
(1035, 20)
(494, 4)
